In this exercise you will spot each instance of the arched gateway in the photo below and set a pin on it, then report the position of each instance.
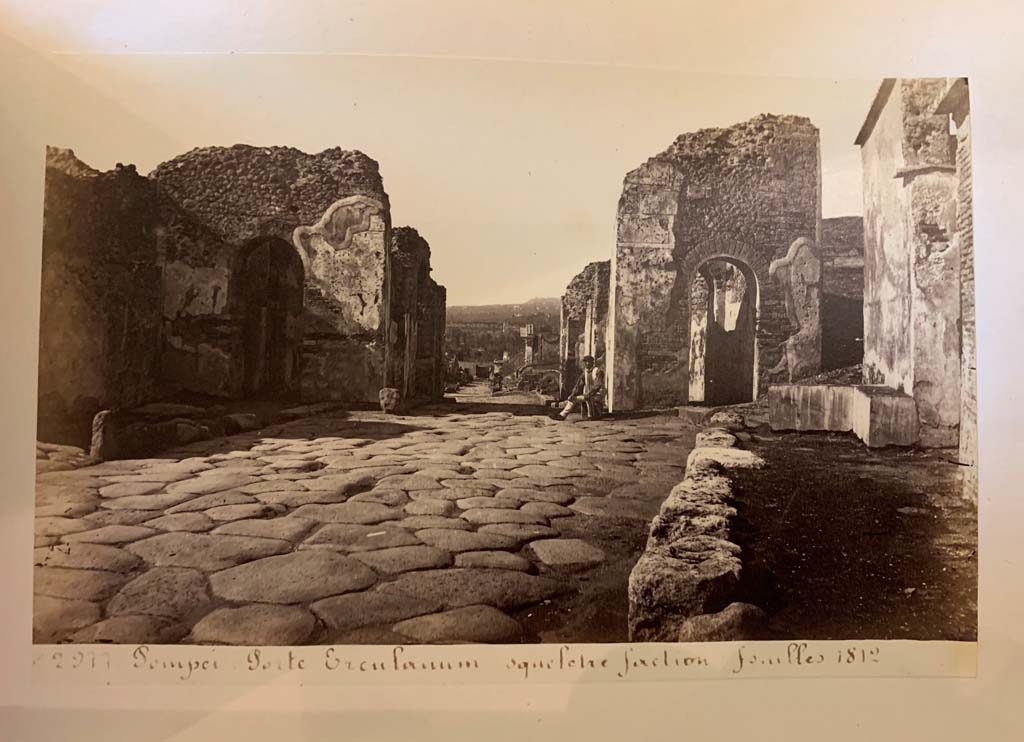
(706, 218)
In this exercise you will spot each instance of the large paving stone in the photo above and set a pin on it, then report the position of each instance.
(445, 493)
(349, 512)
(410, 482)
(492, 560)
(430, 506)
(159, 501)
(284, 529)
(298, 498)
(341, 483)
(60, 526)
(538, 494)
(171, 592)
(274, 486)
(483, 516)
(391, 498)
(78, 584)
(86, 556)
(519, 532)
(124, 489)
(215, 480)
(353, 538)
(204, 551)
(478, 624)
(114, 534)
(192, 522)
(298, 577)
(55, 619)
(132, 630)
(67, 510)
(260, 625)
(456, 587)
(417, 522)
(404, 559)
(504, 502)
(547, 509)
(567, 552)
(204, 502)
(456, 541)
(227, 513)
(353, 611)
(118, 517)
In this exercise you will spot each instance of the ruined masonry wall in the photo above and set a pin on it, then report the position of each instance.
(99, 338)
(911, 298)
(746, 193)
(329, 207)
(969, 375)
(588, 289)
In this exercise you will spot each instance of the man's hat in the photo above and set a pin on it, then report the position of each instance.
(588, 358)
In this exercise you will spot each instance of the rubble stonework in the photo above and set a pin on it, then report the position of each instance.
(842, 292)
(583, 322)
(323, 220)
(690, 565)
(417, 319)
(911, 256)
(99, 338)
(742, 194)
(956, 103)
(228, 272)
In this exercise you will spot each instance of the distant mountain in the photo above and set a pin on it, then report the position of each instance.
(512, 313)
(486, 332)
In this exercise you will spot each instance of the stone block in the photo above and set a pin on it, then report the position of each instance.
(878, 415)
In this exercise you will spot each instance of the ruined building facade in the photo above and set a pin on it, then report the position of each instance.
(583, 323)
(919, 383)
(239, 272)
(712, 212)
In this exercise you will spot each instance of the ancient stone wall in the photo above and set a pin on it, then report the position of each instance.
(231, 213)
(99, 338)
(911, 259)
(956, 104)
(842, 287)
(416, 357)
(430, 317)
(583, 322)
(744, 193)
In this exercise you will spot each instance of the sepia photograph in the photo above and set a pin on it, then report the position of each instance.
(360, 368)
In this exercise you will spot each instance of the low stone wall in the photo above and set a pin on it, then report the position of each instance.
(878, 415)
(152, 428)
(690, 567)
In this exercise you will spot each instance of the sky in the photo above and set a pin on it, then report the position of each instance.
(510, 168)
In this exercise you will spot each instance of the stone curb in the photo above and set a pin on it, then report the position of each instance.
(690, 566)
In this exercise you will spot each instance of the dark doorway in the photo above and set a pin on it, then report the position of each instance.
(270, 289)
(723, 318)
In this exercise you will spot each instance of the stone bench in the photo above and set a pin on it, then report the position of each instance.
(878, 415)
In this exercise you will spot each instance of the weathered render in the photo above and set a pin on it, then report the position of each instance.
(227, 273)
(919, 333)
(741, 195)
(583, 322)
(99, 337)
(287, 292)
(911, 257)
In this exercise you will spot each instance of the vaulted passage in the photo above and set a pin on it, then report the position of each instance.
(269, 282)
(723, 317)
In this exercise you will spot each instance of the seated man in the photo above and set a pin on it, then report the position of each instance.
(589, 391)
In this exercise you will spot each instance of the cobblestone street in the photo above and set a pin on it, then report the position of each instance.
(480, 520)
